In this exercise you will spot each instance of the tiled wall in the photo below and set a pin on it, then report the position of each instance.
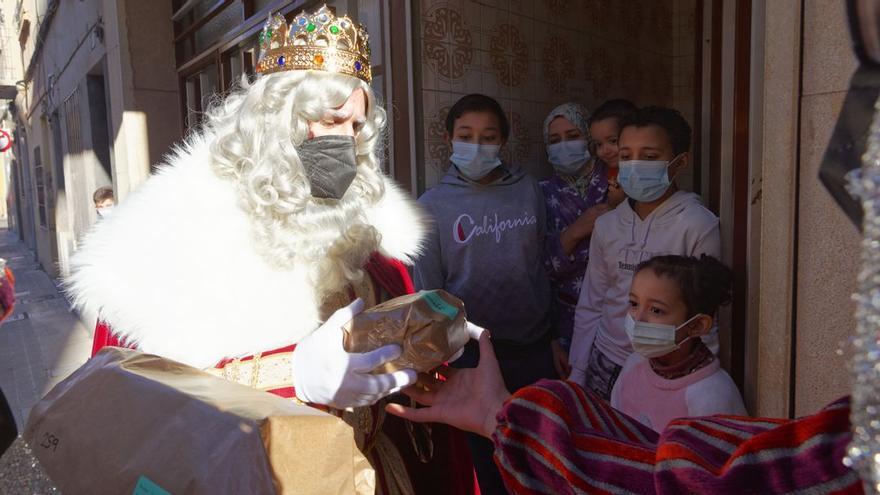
(534, 54)
(683, 65)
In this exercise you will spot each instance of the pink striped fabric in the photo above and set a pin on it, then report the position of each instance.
(555, 437)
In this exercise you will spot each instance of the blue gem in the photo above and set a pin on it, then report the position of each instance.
(281, 60)
(358, 66)
(302, 21)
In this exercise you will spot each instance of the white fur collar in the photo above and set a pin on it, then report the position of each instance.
(175, 272)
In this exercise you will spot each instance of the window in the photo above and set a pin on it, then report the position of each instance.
(216, 43)
(40, 183)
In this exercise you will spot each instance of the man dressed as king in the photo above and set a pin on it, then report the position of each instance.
(262, 234)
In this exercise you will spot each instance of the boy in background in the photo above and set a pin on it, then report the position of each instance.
(104, 201)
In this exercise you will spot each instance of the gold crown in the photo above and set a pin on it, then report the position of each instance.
(320, 41)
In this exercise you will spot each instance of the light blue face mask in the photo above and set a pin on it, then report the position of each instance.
(568, 157)
(475, 161)
(645, 180)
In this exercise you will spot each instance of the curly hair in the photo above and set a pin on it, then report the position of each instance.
(705, 283)
(254, 133)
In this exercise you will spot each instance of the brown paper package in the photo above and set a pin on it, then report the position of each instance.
(429, 325)
(125, 414)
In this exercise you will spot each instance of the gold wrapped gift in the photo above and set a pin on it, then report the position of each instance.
(127, 421)
(429, 325)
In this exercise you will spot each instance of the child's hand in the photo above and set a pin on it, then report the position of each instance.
(615, 194)
(560, 359)
(581, 228)
(587, 220)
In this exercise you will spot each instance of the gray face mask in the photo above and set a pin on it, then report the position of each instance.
(330, 163)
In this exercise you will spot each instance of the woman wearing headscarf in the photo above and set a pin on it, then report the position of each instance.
(575, 197)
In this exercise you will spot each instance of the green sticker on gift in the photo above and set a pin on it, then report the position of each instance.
(146, 487)
(437, 303)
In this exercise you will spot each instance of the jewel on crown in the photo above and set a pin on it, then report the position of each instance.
(318, 41)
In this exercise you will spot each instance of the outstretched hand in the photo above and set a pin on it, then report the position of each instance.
(469, 399)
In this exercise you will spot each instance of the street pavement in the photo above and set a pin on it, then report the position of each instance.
(43, 341)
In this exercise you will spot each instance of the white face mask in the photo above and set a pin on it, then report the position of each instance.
(645, 180)
(105, 211)
(567, 157)
(653, 339)
(475, 161)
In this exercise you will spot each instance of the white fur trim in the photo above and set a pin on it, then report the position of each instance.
(401, 224)
(174, 270)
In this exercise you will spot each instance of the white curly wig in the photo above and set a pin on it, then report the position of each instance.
(256, 130)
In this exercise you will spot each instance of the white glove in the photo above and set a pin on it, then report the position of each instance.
(323, 373)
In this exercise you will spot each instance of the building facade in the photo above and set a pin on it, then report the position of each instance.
(107, 86)
(94, 108)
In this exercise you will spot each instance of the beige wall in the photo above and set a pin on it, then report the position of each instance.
(135, 57)
(809, 251)
(828, 243)
(144, 96)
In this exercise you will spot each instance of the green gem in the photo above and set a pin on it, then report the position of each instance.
(334, 29)
(310, 27)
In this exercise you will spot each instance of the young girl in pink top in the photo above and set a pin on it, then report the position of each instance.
(672, 374)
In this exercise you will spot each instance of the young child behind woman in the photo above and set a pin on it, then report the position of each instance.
(672, 374)
(604, 131)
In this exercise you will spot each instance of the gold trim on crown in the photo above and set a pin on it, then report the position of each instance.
(318, 41)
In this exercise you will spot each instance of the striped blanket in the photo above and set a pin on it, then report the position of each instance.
(555, 437)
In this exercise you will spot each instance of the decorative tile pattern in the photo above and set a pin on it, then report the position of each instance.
(559, 7)
(436, 149)
(534, 54)
(448, 43)
(509, 55)
(558, 63)
(518, 148)
(601, 68)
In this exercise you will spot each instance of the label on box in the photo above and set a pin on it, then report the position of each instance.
(437, 303)
(146, 487)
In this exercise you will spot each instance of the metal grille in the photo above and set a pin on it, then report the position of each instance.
(77, 187)
(40, 183)
(225, 22)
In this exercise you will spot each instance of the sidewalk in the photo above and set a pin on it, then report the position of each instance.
(43, 341)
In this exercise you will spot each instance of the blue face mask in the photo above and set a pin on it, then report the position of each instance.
(475, 161)
(645, 180)
(568, 157)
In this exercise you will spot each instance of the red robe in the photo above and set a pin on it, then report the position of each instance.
(450, 471)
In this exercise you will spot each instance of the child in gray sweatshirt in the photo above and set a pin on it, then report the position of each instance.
(486, 248)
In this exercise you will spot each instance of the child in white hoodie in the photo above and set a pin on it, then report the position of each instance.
(656, 219)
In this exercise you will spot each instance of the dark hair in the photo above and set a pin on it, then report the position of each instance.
(103, 194)
(477, 103)
(613, 109)
(704, 282)
(676, 127)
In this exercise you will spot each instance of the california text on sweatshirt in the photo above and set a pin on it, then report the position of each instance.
(486, 247)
